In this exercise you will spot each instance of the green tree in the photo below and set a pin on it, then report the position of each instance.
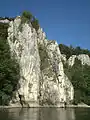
(70, 50)
(9, 73)
(26, 17)
(80, 77)
(35, 24)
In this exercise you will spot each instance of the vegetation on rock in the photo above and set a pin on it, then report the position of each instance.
(43, 57)
(3, 30)
(80, 77)
(9, 68)
(69, 50)
(27, 17)
(35, 23)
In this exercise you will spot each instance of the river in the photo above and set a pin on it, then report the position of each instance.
(45, 114)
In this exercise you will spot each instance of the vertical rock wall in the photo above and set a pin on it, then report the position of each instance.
(42, 79)
(24, 48)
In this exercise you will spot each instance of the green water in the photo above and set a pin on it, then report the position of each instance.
(45, 114)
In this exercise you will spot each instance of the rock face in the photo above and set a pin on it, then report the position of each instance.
(42, 79)
(85, 59)
(4, 21)
(63, 58)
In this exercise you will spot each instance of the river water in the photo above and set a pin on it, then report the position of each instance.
(45, 114)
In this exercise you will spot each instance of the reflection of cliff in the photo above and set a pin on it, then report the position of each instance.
(82, 113)
(23, 114)
(56, 114)
(70, 113)
(40, 114)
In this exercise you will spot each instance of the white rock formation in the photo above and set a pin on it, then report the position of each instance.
(57, 87)
(42, 79)
(24, 46)
(4, 21)
(85, 59)
(71, 60)
(63, 58)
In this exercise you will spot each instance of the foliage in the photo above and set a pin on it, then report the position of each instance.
(3, 30)
(9, 68)
(65, 50)
(43, 57)
(35, 24)
(80, 77)
(69, 50)
(27, 17)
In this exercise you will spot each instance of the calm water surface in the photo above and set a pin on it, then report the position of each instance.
(45, 114)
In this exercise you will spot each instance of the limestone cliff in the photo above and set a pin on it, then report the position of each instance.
(42, 78)
(85, 59)
(77, 68)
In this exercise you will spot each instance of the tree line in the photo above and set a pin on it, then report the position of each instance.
(70, 50)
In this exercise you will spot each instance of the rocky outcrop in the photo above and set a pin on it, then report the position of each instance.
(42, 79)
(85, 59)
(55, 85)
(63, 58)
(24, 47)
(4, 21)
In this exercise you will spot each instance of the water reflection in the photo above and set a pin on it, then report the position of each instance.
(37, 114)
(23, 114)
(82, 113)
(56, 114)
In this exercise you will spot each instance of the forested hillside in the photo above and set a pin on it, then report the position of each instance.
(79, 75)
(69, 50)
(9, 68)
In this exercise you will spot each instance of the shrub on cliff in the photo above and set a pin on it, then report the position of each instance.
(35, 24)
(27, 17)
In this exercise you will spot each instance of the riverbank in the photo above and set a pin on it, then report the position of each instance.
(48, 106)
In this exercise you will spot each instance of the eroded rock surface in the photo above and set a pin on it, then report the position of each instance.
(85, 59)
(42, 79)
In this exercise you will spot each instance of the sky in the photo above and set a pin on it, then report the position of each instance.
(66, 21)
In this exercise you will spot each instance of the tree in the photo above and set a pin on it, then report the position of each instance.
(70, 50)
(35, 24)
(26, 17)
(9, 73)
(80, 77)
